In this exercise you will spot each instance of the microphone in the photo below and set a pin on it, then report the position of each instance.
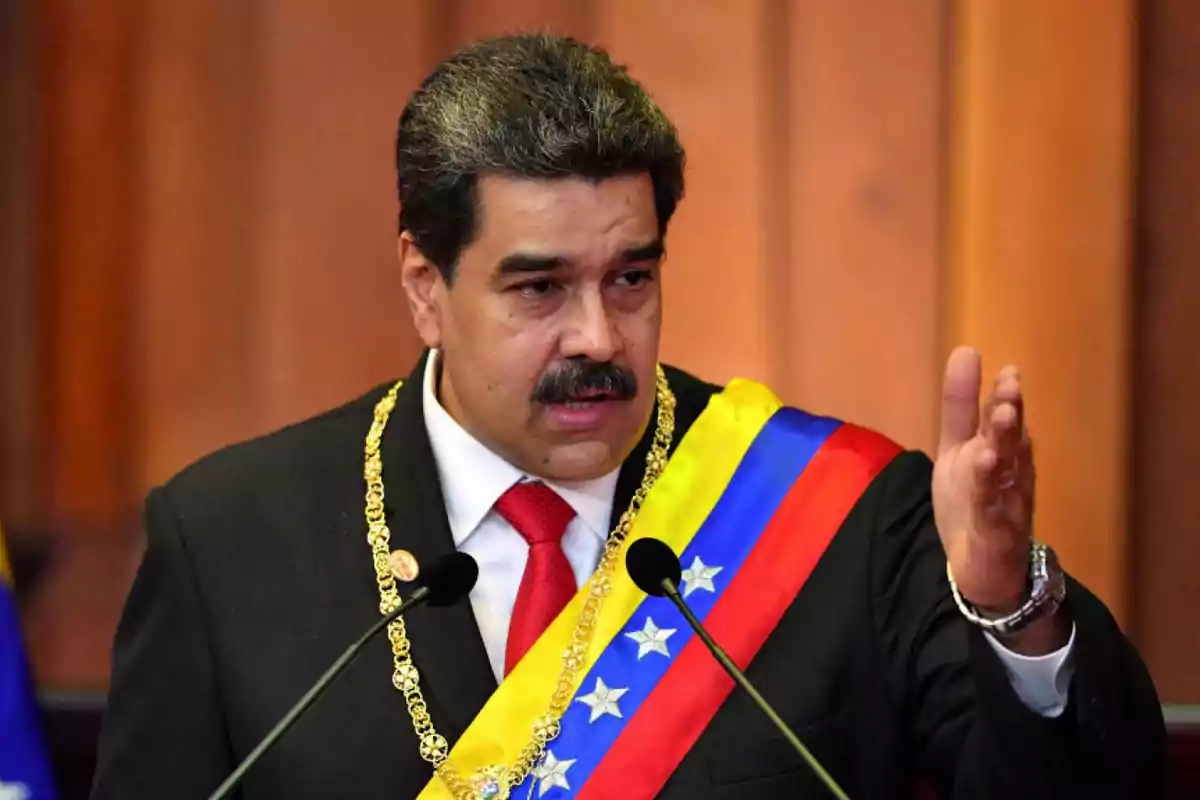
(655, 569)
(444, 582)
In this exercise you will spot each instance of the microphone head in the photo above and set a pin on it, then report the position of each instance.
(449, 578)
(650, 562)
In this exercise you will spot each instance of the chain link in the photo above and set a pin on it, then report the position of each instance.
(406, 679)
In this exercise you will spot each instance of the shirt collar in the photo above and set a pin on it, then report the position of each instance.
(473, 477)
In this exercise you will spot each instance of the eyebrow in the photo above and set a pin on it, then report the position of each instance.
(517, 263)
(647, 252)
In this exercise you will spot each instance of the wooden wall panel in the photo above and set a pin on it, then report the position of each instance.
(86, 167)
(216, 259)
(199, 127)
(21, 502)
(331, 315)
(1040, 270)
(85, 238)
(1166, 453)
(862, 280)
(705, 68)
(270, 236)
(469, 20)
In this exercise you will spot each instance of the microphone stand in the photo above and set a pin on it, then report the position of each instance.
(734, 672)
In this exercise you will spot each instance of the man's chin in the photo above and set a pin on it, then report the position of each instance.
(583, 460)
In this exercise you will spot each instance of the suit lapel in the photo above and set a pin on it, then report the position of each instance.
(446, 645)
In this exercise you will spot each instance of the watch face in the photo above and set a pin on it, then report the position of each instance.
(1053, 581)
(1047, 589)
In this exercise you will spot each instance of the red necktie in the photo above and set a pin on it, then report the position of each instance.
(541, 517)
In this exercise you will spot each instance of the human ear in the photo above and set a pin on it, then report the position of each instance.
(424, 288)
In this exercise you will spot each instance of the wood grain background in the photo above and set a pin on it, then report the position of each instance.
(197, 219)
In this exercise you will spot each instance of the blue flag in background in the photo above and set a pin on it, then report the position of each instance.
(24, 764)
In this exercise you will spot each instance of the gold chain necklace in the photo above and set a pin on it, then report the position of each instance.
(495, 782)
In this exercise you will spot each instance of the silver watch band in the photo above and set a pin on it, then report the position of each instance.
(1048, 589)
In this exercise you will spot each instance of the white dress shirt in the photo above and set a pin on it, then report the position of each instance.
(474, 477)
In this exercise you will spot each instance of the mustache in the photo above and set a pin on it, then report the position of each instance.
(576, 378)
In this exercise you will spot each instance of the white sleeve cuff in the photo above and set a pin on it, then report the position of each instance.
(1042, 683)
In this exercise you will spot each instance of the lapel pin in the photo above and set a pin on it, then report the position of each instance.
(403, 565)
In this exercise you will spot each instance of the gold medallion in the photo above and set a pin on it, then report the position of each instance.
(489, 783)
(403, 565)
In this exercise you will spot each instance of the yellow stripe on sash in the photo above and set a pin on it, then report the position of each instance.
(681, 500)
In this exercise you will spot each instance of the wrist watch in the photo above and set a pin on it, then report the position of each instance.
(1047, 590)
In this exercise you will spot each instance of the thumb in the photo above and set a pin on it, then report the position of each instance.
(960, 398)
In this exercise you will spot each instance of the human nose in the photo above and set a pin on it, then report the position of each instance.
(591, 332)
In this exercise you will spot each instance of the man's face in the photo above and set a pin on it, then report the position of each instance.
(549, 332)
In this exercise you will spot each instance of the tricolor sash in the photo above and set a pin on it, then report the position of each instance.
(750, 500)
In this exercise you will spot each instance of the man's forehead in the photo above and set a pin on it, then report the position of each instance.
(569, 217)
(547, 197)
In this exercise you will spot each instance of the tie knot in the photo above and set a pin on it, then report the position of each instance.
(536, 512)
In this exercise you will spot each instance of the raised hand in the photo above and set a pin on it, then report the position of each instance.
(983, 485)
(983, 496)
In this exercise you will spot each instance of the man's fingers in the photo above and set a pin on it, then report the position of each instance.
(1006, 388)
(1003, 431)
(976, 466)
(960, 399)
(984, 461)
(1012, 467)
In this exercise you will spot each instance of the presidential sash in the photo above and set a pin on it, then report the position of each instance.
(750, 500)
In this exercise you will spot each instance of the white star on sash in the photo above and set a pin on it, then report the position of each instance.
(699, 576)
(13, 791)
(552, 773)
(652, 639)
(602, 700)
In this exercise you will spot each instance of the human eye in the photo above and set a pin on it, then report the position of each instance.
(535, 289)
(635, 277)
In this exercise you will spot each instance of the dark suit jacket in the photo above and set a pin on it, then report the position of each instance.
(257, 575)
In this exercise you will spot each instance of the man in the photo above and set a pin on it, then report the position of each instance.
(536, 184)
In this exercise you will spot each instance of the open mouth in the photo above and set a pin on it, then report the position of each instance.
(587, 398)
(583, 411)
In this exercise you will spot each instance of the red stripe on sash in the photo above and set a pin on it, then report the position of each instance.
(672, 717)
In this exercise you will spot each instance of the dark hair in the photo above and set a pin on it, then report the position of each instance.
(532, 106)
